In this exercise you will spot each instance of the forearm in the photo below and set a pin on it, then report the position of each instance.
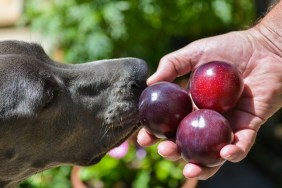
(269, 29)
(273, 19)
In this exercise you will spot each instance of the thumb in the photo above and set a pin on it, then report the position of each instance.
(177, 63)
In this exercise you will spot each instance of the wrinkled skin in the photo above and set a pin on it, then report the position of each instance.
(54, 114)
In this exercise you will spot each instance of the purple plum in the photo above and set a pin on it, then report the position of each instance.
(162, 106)
(201, 135)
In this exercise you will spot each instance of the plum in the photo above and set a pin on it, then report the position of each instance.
(201, 135)
(162, 106)
(216, 85)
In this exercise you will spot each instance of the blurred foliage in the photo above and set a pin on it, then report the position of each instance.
(134, 170)
(131, 171)
(86, 30)
(55, 178)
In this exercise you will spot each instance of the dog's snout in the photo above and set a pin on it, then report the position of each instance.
(139, 73)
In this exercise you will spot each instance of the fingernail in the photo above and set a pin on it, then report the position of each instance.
(151, 78)
(140, 137)
(228, 157)
(160, 148)
(187, 171)
(225, 153)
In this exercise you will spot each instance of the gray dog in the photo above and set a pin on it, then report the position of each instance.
(53, 114)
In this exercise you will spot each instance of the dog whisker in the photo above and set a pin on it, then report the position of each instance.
(139, 124)
(120, 121)
(112, 126)
(106, 131)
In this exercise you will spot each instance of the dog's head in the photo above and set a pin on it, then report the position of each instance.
(53, 113)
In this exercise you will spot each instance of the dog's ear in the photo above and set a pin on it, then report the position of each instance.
(14, 47)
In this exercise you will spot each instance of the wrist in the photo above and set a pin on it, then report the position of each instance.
(268, 32)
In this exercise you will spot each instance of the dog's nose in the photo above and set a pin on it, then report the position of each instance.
(139, 72)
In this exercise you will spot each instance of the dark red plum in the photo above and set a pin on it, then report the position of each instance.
(216, 85)
(162, 106)
(201, 135)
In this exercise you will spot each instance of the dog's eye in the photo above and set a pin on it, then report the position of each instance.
(51, 92)
(92, 90)
(50, 98)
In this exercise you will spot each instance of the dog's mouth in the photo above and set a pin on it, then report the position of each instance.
(124, 133)
(96, 159)
(115, 131)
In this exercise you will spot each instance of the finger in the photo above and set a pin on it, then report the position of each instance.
(170, 67)
(145, 139)
(202, 173)
(168, 150)
(243, 141)
(244, 115)
(176, 64)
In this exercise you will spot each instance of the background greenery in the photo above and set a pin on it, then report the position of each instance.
(86, 30)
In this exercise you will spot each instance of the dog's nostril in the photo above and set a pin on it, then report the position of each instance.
(136, 86)
(139, 72)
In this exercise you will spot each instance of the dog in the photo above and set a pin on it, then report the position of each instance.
(56, 114)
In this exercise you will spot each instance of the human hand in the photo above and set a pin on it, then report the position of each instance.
(261, 68)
